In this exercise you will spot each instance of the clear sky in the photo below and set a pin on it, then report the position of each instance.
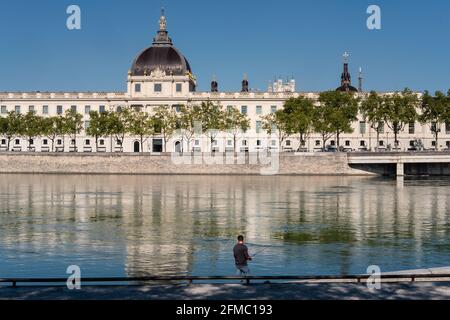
(227, 38)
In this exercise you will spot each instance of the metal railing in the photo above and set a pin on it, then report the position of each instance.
(191, 279)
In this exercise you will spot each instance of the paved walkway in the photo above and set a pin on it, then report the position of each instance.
(293, 291)
(273, 291)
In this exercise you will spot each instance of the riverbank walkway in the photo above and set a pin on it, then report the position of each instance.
(294, 291)
(400, 289)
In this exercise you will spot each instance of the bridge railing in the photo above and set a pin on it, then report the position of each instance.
(15, 282)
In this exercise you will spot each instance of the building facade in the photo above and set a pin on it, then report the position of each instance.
(161, 75)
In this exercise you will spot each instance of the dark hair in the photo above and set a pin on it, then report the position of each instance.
(241, 238)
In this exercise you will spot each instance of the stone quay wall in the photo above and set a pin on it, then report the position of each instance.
(174, 164)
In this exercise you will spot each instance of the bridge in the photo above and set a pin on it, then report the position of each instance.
(416, 163)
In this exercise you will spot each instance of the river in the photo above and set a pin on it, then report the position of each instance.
(187, 225)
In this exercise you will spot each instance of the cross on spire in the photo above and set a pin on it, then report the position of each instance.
(346, 57)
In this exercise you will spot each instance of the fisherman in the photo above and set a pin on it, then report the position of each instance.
(241, 257)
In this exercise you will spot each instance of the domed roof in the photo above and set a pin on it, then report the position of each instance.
(161, 55)
(166, 58)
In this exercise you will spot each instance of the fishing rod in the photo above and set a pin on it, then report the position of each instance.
(260, 251)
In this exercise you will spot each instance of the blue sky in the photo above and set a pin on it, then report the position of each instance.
(227, 38)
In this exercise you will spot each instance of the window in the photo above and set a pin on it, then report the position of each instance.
(197, 142)
(362, 127)
(273, 109)
(3, 141)
(178, 87)
(59, 109)
(177, 108)
(381, 143)
(30, 108)
(229, 142)
(44, 109)
(433, 143)
(102, 142)
(158, 87)
(17, 109)
(258, 143)
(244, 109)
(362, 143)
(274, 143)
(31, 142)
(412, 143)
(412, 128)
(59, 142)
(214, 143)
(381, 128)
(87, 109)
(229, 108)
(303, 143)
(4, 110)
(258, 109)
(17, 141)
(244, 142)
(333, 143)
(434, 127)
(317, 143)
(447, 127)
(86, 125)
(45, 142)
(274, 127)
(102, 109)
(288, 143)
(347, 143)
(73, 108)
(72, 142)
(137, 87)
(258, 126)
(88, 142)
(447, 143)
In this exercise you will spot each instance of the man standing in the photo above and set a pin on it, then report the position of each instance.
(241, 257)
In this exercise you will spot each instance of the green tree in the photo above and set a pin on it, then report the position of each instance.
(73, 125)
(400, 109)
(99, 126)
(188, 118)
(52, 128)
(141, 125)
(165, 121)
(277, 123)
(372, 109)
(341, 111)
(434, 111)
(12, 127)
(299, 114)
(322, 124)
(235, 123)
(31, 127)
(3, 126)
(118, 124)
(212, 119)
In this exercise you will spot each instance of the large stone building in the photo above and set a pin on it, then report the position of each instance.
(161, 75)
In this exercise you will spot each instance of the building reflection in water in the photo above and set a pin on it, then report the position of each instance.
(180, 225)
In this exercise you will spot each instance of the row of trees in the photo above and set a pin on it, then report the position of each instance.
(206, 118)
(332, 115)
(336, 111)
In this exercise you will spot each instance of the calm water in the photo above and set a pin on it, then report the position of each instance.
(168, 225)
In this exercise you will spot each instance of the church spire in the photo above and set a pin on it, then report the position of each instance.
(346, 79)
